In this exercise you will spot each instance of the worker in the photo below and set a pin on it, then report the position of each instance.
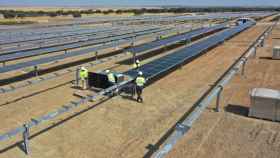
(139, 81)
(137, 64)
(84, 77)
(111, 77)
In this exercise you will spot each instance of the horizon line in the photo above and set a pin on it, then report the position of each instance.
(182, 6)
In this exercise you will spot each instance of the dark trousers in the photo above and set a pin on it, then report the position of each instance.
(139, 90)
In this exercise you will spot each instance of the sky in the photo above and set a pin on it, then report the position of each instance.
(142, 2)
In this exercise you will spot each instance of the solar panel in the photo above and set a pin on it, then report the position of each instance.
(50, 36)
(175, 39)
(93, 41)
(63, 56)
(59, 57)
(51, 42)
(169, 61)
(55, 58)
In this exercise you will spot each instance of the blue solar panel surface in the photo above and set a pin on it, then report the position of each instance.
(55, 58)
(173, 39)
(59, 57)
(52, 42)
(93, 41)
(63, 56)
(50, 36)
(169, 61)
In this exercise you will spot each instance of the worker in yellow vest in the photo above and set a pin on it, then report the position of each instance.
(137, 64)
(140, 82)
(111, 77)
(84, 77)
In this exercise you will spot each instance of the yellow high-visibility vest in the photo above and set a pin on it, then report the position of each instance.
(135, 65)
(83, 74)
(140, 81)
(111, 77)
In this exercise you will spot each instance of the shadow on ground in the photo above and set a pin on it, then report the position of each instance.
(237, 109)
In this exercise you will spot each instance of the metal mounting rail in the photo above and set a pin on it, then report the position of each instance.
(182, 127)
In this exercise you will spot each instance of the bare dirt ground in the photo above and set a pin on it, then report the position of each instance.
(118, 127)
(231, 133)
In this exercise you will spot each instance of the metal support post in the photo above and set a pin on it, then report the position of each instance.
(219, 98)
(254, 52)
(77, 77)
(134, 57)
(96, 55)
(25, 143)
(188, 41)
(36, 69)
(243, 66)
(132, 43)
(262, 42)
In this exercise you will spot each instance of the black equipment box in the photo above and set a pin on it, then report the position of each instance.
(100, 80)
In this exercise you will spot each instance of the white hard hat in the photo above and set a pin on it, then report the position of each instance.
(137, 61)
(107, 71)
(83, 68)
(140, 73)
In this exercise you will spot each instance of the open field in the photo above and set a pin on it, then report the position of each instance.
(231, 133)
(119, 127)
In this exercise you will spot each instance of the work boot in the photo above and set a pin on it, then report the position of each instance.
(139, 100)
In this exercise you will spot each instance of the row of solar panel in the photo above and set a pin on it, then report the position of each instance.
(90, 42)
(221, 16)
(210, 16)
(37, 31)
(169, 61)
(95, 62)
(31, 38)
(67, 55)
(80, 37)
(30, 45)
(176, 39)
(192, 34)
(45, 31)
(18, 38)
(61, 29)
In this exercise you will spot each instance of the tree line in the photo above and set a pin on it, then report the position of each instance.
(78, 13)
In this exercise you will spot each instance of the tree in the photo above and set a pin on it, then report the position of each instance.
(76, 15)
(9, 14)
(52, 14)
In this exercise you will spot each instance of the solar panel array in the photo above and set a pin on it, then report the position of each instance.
(121, 40)
(90, 42)
(169, 61)
(94, 49)
(26, 38)
(50, 42)
(57, 74)
(150, 70)
(175, 39)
